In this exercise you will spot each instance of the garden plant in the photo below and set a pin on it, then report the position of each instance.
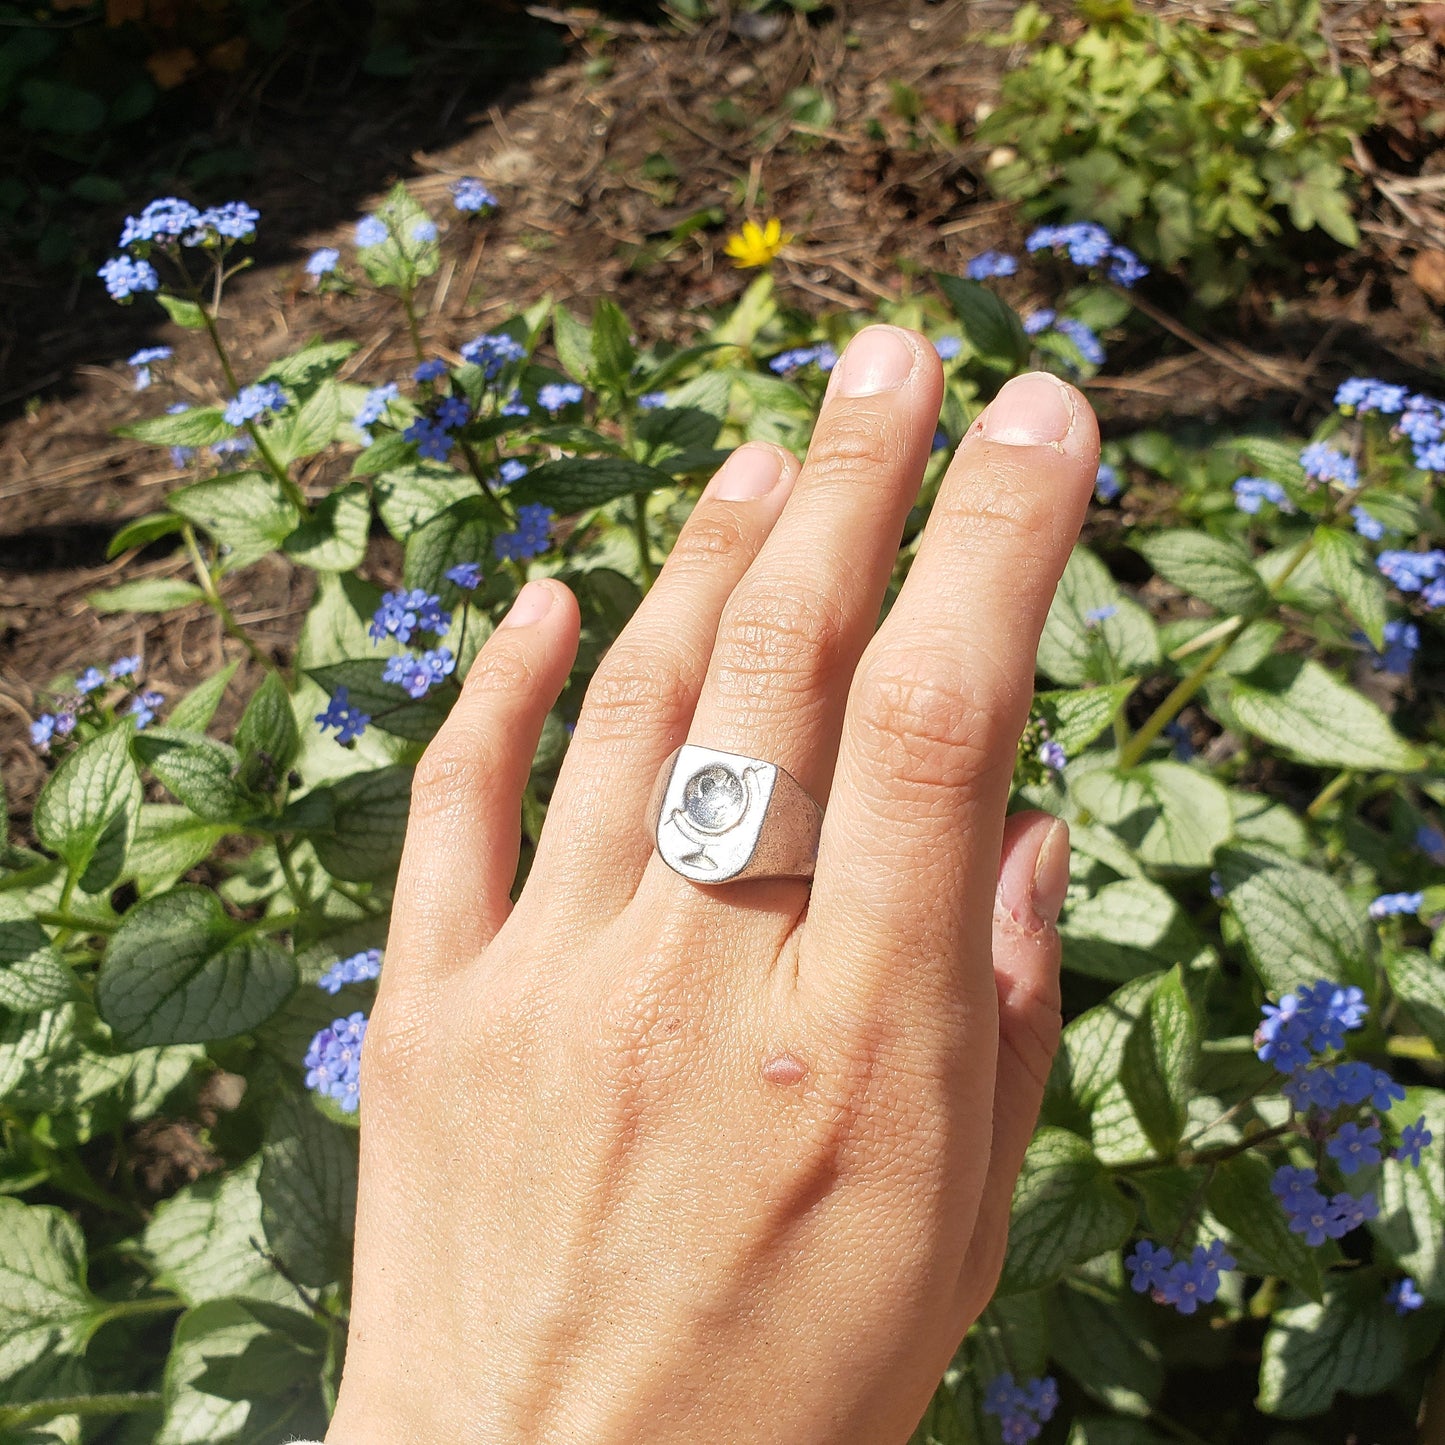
(1232, 1215)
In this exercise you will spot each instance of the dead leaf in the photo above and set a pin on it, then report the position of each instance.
(1427, 271)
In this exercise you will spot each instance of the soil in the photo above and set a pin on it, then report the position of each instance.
(601, 162)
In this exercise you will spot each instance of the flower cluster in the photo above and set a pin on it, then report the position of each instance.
(555, 396)
(492, 351)
(785, 363)
(948, 347)
(1404, 1295)
(531, 538)
(1324, 463)
(1292, 1036)
(434, 435)
(466, 575)
(1389, 904)
(1022, 1411)
(1422, 572)
(323, 261)
(1106, 484)
(254, 401)
(404, 612)
(359, 968)
(1184, 1283)
(1085, 339)
(1089, 244)
(1251, 493)
(140, 363)
(168, 223)
(333, 1061)
(350, 722)
(419, 672)
(1402, 642)
(988, 264)
(85, 695)
(756, 245)
(1418, 418)
(373, 408)
(471, 196)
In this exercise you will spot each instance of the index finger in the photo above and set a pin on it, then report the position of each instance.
(910, 846)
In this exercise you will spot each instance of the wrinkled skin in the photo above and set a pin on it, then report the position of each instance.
(648, 1160)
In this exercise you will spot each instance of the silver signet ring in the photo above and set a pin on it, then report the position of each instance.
(718, 816)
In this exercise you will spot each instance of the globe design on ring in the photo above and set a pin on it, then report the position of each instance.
(715, 800)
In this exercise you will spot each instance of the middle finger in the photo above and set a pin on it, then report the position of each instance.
(795, 626)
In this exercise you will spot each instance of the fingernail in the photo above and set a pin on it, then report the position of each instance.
(533, 603)
(877, 359)
(1051, 874)
(1034, 410)
(751, 472)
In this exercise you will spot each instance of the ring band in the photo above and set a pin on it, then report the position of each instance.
(715, 817)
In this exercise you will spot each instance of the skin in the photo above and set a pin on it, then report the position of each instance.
(647, 1160)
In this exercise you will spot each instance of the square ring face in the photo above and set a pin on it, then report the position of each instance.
(712, 813)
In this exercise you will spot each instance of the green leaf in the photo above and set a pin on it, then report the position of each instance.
(573, 342)
(670, 430)
(184, 313)
(220, 1354)
(369, 812)
(1173, 815)
(198, 427)
(1239, 1197)
(1296, 922)
(1419, 984)
(86, 812)
(1411, 1222)
(1105, 1341)
(304, 370)
(308, 1192)
(179, 970)
(574, 484)
(389, 708)
(199, 771)
(1076, 718)
(333, 539)
(169, 841)
(1303, 709)
(1091, 1052)
(461, 532)
(612, 351)
(151, 594)
(1218, 572)
(1065, 1210)
(1353, 578)
(267, 738)
(990, 326)
(1160, 1057)
(142, 531)
(207, 1240)
(1125, 929)
(247, 514)
(411, 495)
(312, 426)
(1352, 1342)
(193, 713)
(45, 1307)
(33, 976)
(1074, 650)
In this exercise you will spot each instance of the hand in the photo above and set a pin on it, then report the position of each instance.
(649, 1161)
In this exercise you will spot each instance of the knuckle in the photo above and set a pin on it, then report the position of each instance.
(924, 722)
(634, 691)
(854, 441)
(1010, 514)
(782, 632)
(455, 769)
(397, 1047)
(503, 671)
(710, 536)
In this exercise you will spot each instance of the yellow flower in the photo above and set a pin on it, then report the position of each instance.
(756, 245)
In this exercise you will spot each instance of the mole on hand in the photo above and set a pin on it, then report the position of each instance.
(785, 1069)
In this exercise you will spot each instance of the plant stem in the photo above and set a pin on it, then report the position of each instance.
(135, 1308)
(59, 918)
(217, 602)
(1180, 695)
(1188, 1158)
(288, 870)
(33, 1412)
(1329, 793)
(644, 549)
